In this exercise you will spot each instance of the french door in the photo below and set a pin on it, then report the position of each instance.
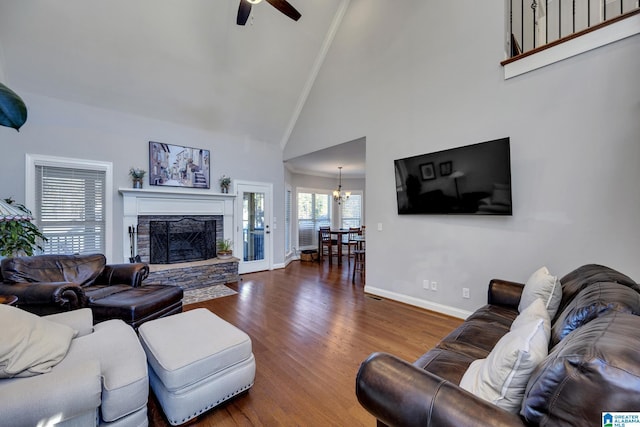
(254, 242)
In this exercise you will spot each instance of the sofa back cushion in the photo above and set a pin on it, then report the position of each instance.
(594, 369)
(594, 301)
(79, 269)
(581, 277)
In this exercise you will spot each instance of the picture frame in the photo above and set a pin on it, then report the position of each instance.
(427, 171)
(446, 168)
(179, 166)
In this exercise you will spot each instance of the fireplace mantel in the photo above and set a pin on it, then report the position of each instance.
(163, 201)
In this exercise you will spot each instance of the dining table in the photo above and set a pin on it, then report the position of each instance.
(338, 232)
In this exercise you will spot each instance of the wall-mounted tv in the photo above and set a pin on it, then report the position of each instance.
(474, 179)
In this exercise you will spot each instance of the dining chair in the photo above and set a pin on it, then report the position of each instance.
(328, 244)
(358, 264)
(352, 241)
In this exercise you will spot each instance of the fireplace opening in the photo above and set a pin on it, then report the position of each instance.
(183, 240)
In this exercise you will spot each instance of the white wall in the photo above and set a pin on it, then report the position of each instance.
(65, 129)
(415, 77)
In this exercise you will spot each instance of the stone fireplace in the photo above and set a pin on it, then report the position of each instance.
(176, 233)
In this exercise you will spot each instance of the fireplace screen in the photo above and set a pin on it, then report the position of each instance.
(181, 241)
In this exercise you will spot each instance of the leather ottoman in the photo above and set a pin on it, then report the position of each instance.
(197, 361)
(134, 305)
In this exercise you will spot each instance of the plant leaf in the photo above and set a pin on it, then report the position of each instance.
(13, 111)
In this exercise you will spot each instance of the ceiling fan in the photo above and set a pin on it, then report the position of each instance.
(282, 5)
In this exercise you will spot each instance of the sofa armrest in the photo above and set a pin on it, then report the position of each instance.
(398, 393)
(123, 274)
(59, 395)
(62, 296)
(79, 320)
(505, 293)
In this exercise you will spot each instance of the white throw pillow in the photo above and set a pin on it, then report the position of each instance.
(30, 345)
(542, 285)
(502, 377)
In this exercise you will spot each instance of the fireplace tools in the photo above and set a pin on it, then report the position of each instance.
(132, 243)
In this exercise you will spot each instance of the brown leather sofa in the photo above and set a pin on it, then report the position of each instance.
(593, 364)
(47, 284)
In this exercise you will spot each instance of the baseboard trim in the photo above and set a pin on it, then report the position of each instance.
(433, 306)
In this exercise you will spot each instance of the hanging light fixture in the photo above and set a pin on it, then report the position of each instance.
(339, 195)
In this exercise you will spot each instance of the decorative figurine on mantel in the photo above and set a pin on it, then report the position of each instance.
(136, 176)
(225, 182)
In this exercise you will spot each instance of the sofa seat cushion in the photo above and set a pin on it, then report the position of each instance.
(594, 301)
(79, 269)
(474, 338)
(494, 314)
(123, 364)
(595, 368)
(133, 305)
(447, 364)
(30, 345)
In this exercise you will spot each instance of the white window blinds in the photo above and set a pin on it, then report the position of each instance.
(352, 211)
(70, 209)
(313, 212)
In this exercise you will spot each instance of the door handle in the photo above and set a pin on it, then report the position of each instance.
(267, 231)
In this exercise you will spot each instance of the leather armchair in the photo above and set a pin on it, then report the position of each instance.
(47, 284)
(46, 297)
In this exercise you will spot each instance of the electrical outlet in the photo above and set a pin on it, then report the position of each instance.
(465, 293)
(425, 284)
(434, 286)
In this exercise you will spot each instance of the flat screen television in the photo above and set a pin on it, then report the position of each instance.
(474, 179)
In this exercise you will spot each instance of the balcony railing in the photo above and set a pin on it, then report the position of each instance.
(534, 24)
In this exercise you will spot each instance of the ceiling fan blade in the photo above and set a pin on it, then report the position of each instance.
(284, 7)
(243, 12)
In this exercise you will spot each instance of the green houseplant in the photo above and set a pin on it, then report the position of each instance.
(137, 176)
(18, 235)
(225, 182)
(13, 111)
(225, 249)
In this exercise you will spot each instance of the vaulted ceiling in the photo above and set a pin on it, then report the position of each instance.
(183, 61)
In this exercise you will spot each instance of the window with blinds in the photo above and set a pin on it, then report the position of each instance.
(352, 211)
(314, 211)
(70, 209)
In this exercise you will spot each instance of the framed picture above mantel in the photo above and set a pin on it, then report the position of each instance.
(179, 166)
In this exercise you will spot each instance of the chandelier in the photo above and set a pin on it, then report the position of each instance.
(339, 195)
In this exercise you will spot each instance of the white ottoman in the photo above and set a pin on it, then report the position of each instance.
(197, 361)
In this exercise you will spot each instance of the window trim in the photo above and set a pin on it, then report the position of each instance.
(597, 36)
(33, 160)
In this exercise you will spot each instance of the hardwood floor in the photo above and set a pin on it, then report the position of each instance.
(311, 328)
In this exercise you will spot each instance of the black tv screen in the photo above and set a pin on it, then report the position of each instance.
(474, 179)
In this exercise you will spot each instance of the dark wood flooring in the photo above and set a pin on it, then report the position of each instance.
(311, 328)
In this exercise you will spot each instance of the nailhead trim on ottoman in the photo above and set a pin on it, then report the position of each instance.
(196, 361)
